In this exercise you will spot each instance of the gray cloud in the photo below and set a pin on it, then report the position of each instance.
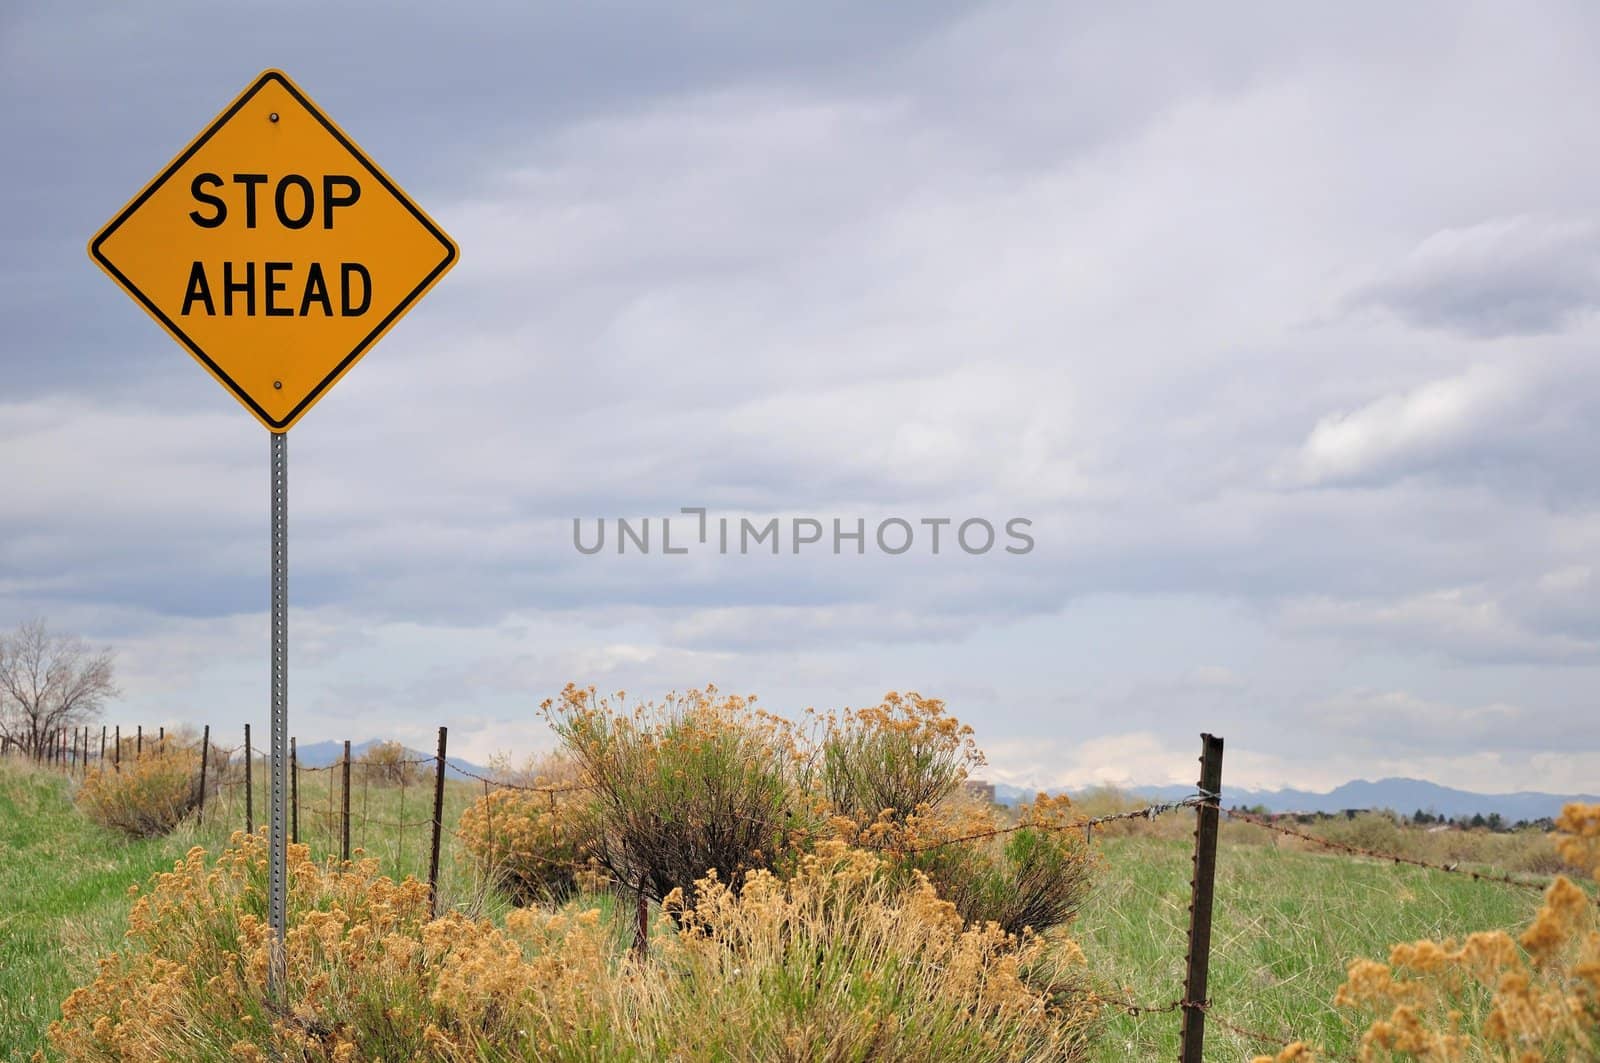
(1040, 260)
(1516, 276)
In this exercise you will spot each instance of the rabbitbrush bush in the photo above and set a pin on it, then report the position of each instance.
(524, 843)
(1031, 878)
(701, 782)
(1527, 999)
(659, 795)
(838, 961)
(145, 796)
(389, 764)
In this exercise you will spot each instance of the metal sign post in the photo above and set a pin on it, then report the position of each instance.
(277, 254)
(277, 837)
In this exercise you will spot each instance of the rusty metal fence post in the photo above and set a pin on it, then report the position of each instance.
(1202, 891)
(205, 758)
(249, 798)
(344, 848)
(438, 825)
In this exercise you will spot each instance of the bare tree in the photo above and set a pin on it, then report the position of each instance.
(49, 683)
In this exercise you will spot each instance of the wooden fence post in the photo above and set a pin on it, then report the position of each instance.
(438, 825)
(249, 798)
(205, 757)
(138, 743)
(116, 754)
(102, 761)
(1207, 815)
(344, 848)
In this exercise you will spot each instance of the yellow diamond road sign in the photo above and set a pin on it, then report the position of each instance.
(274, 250)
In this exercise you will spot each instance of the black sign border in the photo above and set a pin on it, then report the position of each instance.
(279, 425)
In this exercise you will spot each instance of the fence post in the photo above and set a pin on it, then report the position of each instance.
(1207, 814)
(116, 754)
(161, 740)
(138, 743)
(438, 826)
(102, 761)
(72, 765)
(205, 757)
(344, 847)
(294, 793)
(249, 798)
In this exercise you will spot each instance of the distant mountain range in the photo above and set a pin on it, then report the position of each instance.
(322, 754)
(1400, 795)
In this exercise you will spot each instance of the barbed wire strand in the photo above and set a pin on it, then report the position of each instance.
(1396, 858)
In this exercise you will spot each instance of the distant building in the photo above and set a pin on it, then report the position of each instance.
(983, 791)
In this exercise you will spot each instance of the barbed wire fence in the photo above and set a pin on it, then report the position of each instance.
(78, 751)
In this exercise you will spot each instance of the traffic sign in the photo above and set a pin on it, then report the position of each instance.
(274, 250)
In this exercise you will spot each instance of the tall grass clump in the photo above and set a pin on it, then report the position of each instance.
(1528, 998)
(148, 795)
(840, 961)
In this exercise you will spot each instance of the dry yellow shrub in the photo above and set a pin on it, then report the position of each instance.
(523, 841)
(146, 795)
(836, 962)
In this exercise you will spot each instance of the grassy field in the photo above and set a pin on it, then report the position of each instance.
(1286, 925)
(1287, 922)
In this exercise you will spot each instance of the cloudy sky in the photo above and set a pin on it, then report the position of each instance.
(1277, 324)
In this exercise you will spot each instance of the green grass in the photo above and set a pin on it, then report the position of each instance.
(65, 880)
(1286, 925)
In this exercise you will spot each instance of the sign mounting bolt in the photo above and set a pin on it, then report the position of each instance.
(277, 385)
(273, 117)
